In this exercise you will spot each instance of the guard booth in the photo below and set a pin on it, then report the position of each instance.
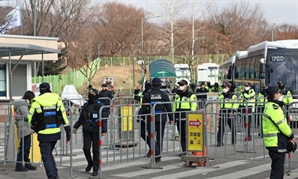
(196, 140)
(17, 52)
(163, 69)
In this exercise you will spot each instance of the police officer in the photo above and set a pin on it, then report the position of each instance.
(201, 93)
(228, 106)
(89, 117)
(46, 115)
(287, 98)
(232, 87)
(247, 97)
(153, 96)
(215, 88)
(185, 101)
(138, 94)
(175, 89)
(276, 132)
(106, 95)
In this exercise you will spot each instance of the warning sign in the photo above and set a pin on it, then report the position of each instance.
(127, 120)
(195, 129)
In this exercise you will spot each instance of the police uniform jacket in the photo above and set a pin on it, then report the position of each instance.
(105, 94)
(87, 119)
(276, 131)
(287, 96)
(153, 96)
(228, 102)
(48, 100)
(184, 101)
(247, 97)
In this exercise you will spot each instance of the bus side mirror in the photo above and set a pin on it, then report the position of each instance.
(262, 68)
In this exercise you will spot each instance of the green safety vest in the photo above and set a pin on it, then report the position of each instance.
(262, 100)
(288, 99)
(219, 89)
(47, 100)
(270, 131)
(185, 102)
(248, 98)
(228, 103)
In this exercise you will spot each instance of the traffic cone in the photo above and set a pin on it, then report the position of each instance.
(200, 154)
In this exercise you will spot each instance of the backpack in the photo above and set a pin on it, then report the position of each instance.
(90, 124)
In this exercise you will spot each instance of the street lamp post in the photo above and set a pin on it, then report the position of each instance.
(142, 62)
(34, 32)
(272, 33)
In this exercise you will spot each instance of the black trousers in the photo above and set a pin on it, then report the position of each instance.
(159, 131)
(225, 118)
(46, 149)
(91, 138)
(277, 164)
(26, 149)
(181, 126)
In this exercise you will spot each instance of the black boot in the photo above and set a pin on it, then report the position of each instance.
(95, 173)
(30, 167)
(88, 168)
(20, 168)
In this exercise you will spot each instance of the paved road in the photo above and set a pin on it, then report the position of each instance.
(127, 163)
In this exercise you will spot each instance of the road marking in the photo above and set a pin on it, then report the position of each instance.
(138, 163)
(149, 171)
(246, 172)
(199, 171)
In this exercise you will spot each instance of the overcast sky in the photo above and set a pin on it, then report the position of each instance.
(275, 11)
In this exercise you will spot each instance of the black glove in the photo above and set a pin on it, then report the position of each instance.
(68, 133)
(136, 91)
(291, 147)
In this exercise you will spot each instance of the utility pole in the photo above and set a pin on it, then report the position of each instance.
(142, 62)
(272, 33)
(34, 32)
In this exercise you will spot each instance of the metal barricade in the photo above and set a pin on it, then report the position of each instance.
(241, 147)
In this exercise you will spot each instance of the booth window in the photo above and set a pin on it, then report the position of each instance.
(2, 80)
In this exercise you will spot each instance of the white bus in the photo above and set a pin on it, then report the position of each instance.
(225, 69)
(182, 71)
(269, 62)
(207, 72)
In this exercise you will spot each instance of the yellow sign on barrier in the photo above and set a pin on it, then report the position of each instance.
(126, 118)
(35, 155)
(195, 132)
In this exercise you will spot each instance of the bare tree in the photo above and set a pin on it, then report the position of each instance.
(238, 26)
(119, 28)
(55, 18)
(193, 31)
(286, 31)
(84, 52)
(172, 12)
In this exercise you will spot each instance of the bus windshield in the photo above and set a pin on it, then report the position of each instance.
(284, 67)
(182, 73)
(213, 71)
